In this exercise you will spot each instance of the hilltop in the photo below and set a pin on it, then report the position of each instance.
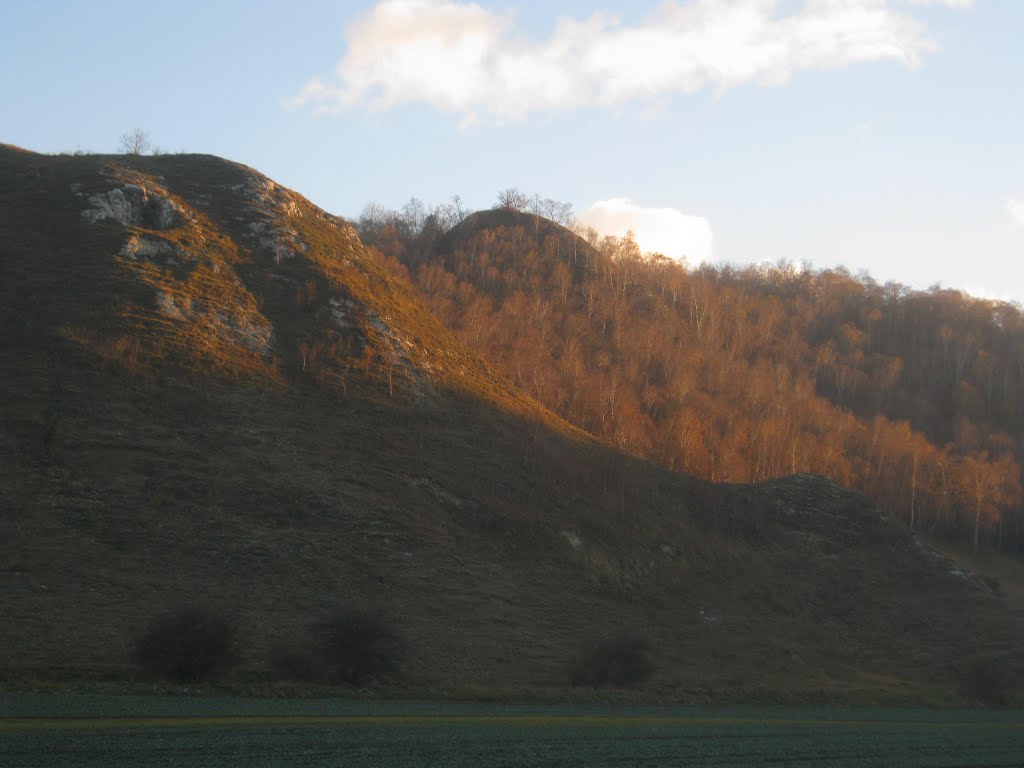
(213, 390)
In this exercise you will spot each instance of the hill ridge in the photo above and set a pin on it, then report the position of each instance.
(157, 451)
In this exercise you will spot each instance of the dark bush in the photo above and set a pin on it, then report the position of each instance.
(292, 661)
(189, 644)
(622, 661)
(354, 645)
(991, 681)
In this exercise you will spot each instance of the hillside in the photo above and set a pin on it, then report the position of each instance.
(212, 391)
(734, 375)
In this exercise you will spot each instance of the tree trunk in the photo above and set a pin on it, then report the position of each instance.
(913, 490)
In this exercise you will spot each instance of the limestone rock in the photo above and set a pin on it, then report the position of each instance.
(132, 206)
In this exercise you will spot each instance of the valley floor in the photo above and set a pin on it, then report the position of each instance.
(68, 730)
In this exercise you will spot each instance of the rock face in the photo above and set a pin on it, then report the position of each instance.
(148, 247)
(132, 206)
(194, 285)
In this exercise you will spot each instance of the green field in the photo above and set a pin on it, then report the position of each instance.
(52, 730)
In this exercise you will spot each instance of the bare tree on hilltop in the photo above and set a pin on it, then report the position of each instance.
(135, 142)
(512, 199)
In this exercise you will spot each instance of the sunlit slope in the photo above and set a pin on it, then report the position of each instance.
(211, 391)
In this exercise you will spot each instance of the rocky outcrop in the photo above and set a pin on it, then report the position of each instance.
(148, 247)
(132, 205)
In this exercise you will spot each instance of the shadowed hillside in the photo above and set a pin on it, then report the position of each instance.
(211, 391)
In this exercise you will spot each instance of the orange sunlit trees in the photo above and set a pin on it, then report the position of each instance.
(743, 374)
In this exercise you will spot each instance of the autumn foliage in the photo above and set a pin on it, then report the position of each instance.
(915, 398)
(191, 643)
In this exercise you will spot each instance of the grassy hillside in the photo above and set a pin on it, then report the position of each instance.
(211, 391)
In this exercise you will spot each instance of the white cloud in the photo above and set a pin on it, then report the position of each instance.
(982, 291)
(947, 3)
(667, 231)
(463, 58)
(1015, 207)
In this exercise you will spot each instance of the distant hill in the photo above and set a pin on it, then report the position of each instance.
(911, 397)
(211, 391)
(536, 227)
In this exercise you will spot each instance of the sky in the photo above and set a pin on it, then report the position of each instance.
(885, 136)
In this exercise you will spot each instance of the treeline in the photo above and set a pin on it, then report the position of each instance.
(741, 374)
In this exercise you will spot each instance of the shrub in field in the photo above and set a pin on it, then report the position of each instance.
(354, 645)
(992, 681)
(189, 644)
(622, 661)
(294, 661)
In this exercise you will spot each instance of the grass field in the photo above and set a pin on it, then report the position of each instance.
(48, 730)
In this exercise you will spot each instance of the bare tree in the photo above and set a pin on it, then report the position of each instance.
(448, 215)
(374, 217)
(559, 212)
(135, 142)
(457, 210)
(512, 199)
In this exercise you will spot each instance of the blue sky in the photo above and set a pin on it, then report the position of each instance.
(883, 135)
